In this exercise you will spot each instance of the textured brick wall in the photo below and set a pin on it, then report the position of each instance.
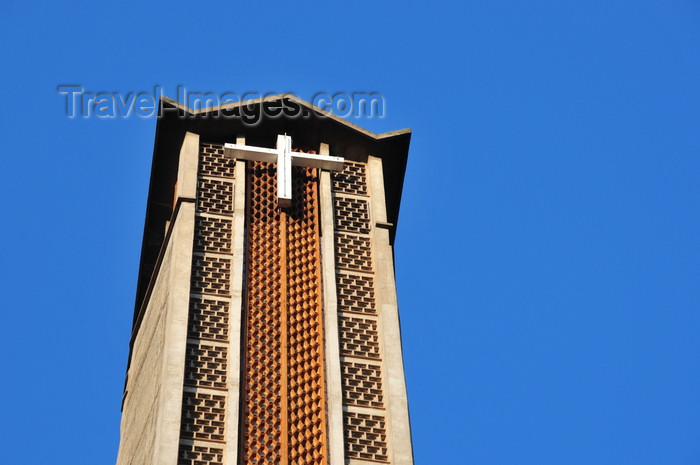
(283, 404)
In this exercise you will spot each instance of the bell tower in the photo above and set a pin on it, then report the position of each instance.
(266, 326)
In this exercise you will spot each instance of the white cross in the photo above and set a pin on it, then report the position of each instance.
(285, 159)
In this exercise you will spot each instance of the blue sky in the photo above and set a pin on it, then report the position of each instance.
(547, 256)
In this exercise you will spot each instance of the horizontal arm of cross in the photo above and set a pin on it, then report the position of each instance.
(247, 152)
(324, 162)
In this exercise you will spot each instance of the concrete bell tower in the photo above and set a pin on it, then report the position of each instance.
(266, 326)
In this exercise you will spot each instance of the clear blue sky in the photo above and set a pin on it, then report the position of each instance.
(548, 253)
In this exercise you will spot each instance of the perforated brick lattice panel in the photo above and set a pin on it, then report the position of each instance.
(213, 235)
(352, 180)
(362, 384)
(205, 366)
(306, 401)
(195, 454)
(263, 364)
(356, 294)
(203, 416)
(359, 337)
(215, 196)
(213, 163)
(203, 420)
(361, 364)
(284, 409)
(353, 252)
(365, 437)
(352, 215)
(211, 275)
(208, 319)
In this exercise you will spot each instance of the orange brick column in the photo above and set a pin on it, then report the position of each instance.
(283, 405)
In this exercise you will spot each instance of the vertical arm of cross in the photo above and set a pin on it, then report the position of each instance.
(284, 170)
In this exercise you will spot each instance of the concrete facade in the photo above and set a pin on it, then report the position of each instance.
(185, 398)
(153, 394)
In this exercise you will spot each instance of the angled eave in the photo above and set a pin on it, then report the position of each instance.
(275, 98)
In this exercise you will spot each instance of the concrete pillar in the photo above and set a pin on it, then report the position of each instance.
(334, 393)
(177, 307)
(398, 426)
(186, 186)
(235, 323)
